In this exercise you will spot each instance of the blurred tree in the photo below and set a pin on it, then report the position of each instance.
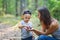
(3, 6)
(6, 5)
(36, 4)
(4, 2)
(16, 7)
(23, 5)
(54, 7)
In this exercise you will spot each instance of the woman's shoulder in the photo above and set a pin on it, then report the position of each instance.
(54, 22)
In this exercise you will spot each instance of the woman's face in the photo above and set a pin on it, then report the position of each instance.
(39, 15)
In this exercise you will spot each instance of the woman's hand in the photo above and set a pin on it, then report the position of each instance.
(32, 29)
(29, 28)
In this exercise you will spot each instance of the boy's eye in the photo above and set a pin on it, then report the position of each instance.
(26, 17)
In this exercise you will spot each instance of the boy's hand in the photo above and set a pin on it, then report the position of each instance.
(20, 26)
(27, 28)
(32, 29)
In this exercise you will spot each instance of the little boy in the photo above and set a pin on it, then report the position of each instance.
(24, 25)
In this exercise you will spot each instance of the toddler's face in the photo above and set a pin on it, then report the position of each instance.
(27, 17)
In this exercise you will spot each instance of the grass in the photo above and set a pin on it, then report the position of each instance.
(9, 19)
(12, 20)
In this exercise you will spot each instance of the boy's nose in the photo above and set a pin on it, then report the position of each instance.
(27, 19)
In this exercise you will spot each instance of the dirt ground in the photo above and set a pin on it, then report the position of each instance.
(9, 32)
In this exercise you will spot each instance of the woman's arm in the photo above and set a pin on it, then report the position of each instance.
(37, 32)
(40, 32)
(52, 28)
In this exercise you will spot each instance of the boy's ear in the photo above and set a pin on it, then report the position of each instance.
(22, 16)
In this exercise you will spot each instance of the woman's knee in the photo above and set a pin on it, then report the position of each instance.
(42, 37)
(45, 37)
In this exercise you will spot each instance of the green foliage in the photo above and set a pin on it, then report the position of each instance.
(0, 3)
(9, 19)
(11, 6)
(54, 7)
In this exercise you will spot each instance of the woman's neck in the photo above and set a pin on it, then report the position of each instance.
(44, 25)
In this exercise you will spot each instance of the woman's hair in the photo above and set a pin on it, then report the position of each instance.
(45, 16)
(26, 12)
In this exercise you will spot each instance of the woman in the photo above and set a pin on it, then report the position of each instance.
(49, 26)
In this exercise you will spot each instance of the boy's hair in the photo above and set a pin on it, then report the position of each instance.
(26, 12)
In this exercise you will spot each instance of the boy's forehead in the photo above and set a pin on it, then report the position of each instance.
(27, 15)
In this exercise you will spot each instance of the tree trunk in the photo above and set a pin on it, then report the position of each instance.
(6, 6)
(36, 4)
(16, 7)
(22, 6)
